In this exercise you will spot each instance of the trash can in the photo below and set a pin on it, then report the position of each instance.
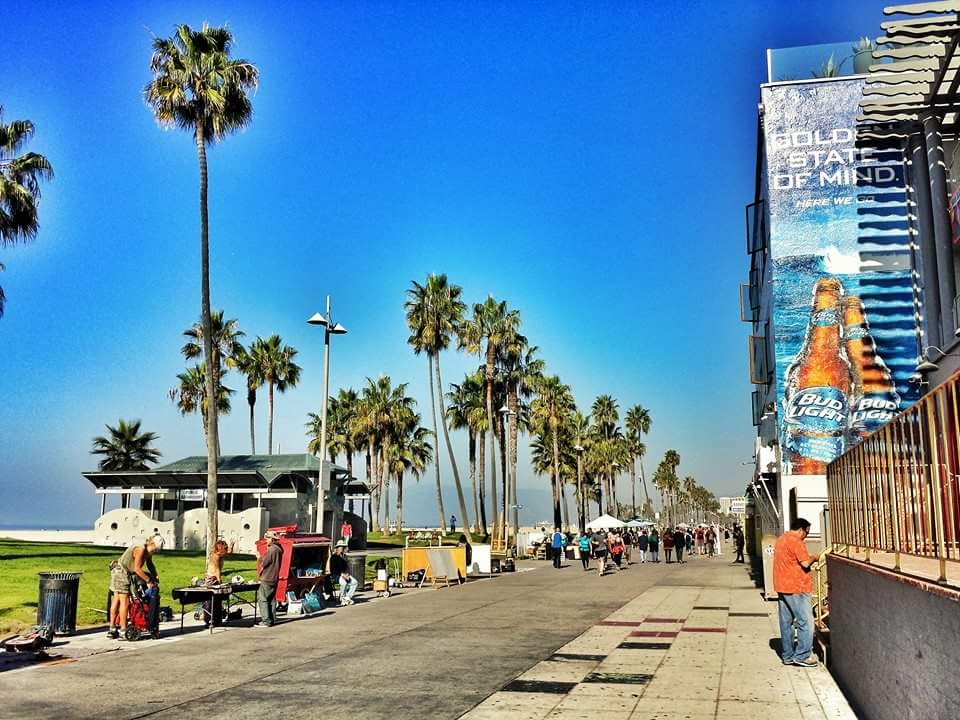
(57, 602)
(358, 568)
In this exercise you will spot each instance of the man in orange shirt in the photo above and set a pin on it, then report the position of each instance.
(793, 583)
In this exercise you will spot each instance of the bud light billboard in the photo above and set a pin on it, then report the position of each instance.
(844, 310)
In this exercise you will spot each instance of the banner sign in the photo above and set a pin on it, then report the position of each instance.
(843, 312)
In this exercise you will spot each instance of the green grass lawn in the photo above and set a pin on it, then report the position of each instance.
(21, 561)
(399, 539)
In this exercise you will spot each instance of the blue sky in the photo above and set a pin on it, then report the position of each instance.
(587, 162)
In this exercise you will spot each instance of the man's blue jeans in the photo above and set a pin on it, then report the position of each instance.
(796, 610)
(347, 587)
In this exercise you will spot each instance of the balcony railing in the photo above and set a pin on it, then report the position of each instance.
(895, 495)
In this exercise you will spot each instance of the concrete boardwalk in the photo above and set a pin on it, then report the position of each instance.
(690, 641)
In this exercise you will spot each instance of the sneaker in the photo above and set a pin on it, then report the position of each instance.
(810, 662)
(114, 634)
(263, 625)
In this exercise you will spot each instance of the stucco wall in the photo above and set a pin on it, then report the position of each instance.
(894, 642)
(126, 526)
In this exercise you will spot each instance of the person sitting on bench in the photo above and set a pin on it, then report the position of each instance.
(339, 571)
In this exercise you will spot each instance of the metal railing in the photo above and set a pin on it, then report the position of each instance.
(897, 492)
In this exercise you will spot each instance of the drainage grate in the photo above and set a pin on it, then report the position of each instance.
(539, 686)
(711, 607)
(577, 656)
(630, 645)
(622, 678)
(745, 614)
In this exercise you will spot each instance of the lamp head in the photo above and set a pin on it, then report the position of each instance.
(927, 366)
(338, 329)
(578, 448)
(317, 319)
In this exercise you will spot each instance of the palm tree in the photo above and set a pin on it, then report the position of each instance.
(341, 421)
(191, 395)
(465, 412)
(550, 411)
(225, 346)
(579, 429)
(20, 177)
(605, 414)
(434, 313)
(521, 370)
(198, 87)
(411, 451)
(638, 425)
(493, 323)
(244, 361)
(278, 370)
(126, 448)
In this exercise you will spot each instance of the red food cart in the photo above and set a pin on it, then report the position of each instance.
(303, 563)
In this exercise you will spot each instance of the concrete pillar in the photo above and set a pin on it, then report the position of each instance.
(941, 223)
(928, 252)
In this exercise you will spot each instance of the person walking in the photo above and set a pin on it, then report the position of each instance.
(668, 544)
(643, 542)
(557, 544)
(268, 571)
(739, 540)
(679, 539)
(794, 583)
(654, 544)
(583, 542)
(698, 537)
(616, 551)
(711, 538)
(598, 543)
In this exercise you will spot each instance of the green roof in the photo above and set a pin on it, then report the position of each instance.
(270, 467)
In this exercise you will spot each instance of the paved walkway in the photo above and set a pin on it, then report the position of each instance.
(675, 651)
(690, 641)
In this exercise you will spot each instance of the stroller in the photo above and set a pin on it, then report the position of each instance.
(138, 615)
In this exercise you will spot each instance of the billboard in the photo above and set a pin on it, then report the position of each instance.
(844, 310)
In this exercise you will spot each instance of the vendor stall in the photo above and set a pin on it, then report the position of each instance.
(303, 563)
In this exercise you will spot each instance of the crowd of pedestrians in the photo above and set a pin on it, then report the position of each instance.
(621, 547)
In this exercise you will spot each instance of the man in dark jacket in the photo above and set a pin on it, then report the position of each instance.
(679, 543)
(269, 572)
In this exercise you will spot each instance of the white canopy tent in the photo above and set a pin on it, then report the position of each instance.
(604, 522)
(636, 523)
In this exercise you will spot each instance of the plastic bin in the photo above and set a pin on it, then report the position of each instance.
(57, 601)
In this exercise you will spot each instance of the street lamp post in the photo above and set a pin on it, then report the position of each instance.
(613, 487)
(510, 490)
(337, 329)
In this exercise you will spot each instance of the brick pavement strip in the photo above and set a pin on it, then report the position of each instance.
(566, 639)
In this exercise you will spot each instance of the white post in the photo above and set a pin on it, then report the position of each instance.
(323, 420)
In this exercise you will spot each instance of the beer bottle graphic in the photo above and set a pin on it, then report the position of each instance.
(817, 388)
(873, 397)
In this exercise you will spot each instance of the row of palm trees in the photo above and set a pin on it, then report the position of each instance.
(508, 394)
(267, 361)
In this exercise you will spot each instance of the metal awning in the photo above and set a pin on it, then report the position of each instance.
(922, 75)
(153, 479)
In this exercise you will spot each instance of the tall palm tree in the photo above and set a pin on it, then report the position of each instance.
(434, 314)
(190, 395)
(278, 370)
(605, 414)
(198, 87)
(466, 408)
(638, 424)
(550, 411)
(521, 370)
(20, 177)
(245, 362)
(492, 323)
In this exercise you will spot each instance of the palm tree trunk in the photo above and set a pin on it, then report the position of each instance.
(350, 463)
(453, 461)
(482, 475)
(374, 488)
(502, 436)
(556, 481)
(213, 441)
(643, 479)
(436, 439)
(270, 418)
(400, 501)
(491, 431)
(385, 480)
(252, 400)
(565, 506)
(370, 484)
(633, 484)
(514, 417)
(472, 451)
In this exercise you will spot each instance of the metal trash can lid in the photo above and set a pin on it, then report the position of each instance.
(60, 575)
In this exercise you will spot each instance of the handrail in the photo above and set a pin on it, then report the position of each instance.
(897, 491)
